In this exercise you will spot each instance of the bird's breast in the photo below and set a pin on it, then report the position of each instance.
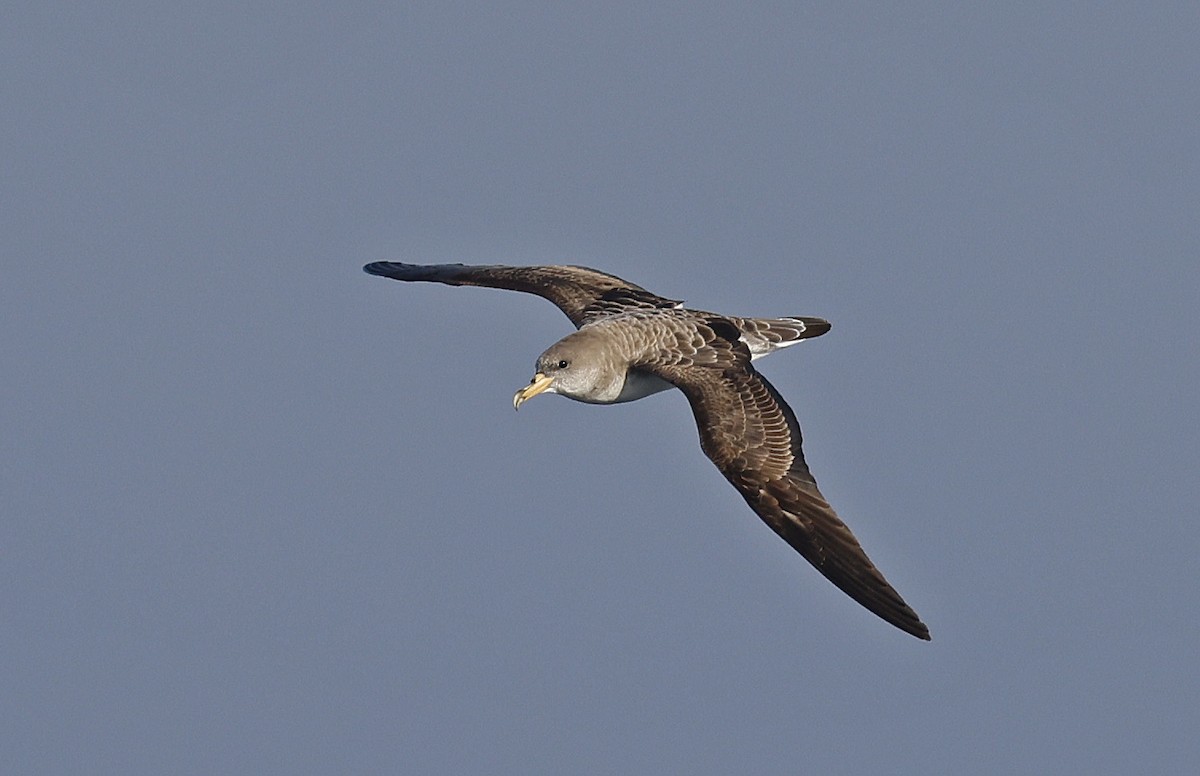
(639, 384)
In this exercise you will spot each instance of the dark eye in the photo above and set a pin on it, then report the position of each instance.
(563, 364)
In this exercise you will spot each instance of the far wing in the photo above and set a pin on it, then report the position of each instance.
(583, 294)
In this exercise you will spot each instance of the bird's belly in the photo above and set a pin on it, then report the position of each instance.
(639, 384)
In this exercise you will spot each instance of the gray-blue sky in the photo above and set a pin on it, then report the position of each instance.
(266, 514)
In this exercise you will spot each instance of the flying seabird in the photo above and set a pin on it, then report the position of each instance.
(631, 343)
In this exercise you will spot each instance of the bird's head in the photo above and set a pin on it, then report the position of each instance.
(574, 368)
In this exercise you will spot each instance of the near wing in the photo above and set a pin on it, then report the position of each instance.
(752, 436)
(583, 294)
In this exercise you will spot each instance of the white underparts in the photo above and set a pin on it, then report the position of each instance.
(639, 384)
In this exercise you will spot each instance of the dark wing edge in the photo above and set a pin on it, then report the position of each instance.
(583, 294)
(750, 433)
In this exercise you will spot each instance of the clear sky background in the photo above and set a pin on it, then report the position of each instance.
(263, 513)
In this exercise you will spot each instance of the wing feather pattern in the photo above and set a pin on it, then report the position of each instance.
(750, 433)
(585, 295)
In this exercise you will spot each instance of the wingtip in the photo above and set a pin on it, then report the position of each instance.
(378, 268)
(910, 624)
(902, 616)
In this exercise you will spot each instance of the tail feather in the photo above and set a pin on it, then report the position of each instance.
(766, 335)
